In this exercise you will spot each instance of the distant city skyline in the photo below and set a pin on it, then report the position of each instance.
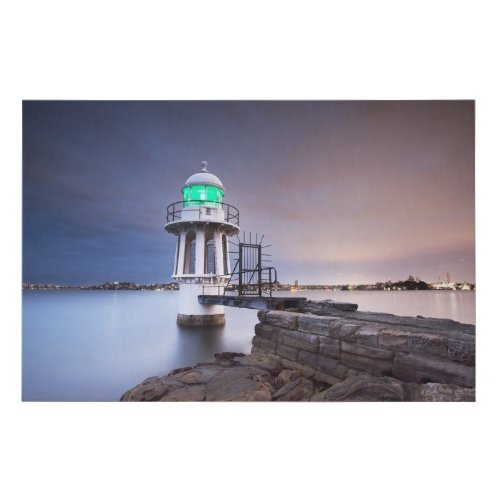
(346, 192)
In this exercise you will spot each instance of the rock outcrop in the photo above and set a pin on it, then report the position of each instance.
(262, 377)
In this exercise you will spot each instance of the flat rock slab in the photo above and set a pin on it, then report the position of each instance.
(327, 307)
(446, 327)
(239, 384)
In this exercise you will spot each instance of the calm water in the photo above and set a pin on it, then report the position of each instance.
(94, 345)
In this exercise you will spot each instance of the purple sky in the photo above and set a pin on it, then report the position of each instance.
(346, 192)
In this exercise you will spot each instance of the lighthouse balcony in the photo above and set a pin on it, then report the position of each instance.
(202, 278)
(202, 210)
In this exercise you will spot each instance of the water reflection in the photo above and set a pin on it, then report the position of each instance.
(198, 344)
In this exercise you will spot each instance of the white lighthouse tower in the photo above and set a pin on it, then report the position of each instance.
(203, 224)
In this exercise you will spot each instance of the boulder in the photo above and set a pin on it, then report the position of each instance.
(270, 332)
(427, 343)
(287, 352)
(327, 307)
(318, 325)
(345, 331)
(331, 367)
(304, 370)
(307, 358)
(396, 340)
(284, 319)
(326, 378)
(300, 389)
(262, 315)
(371, 365)
(286, 376)
(264, 330)
(367, 336)
(370, 352)
(302, 341)
(330, 350)
(422, 369)
(463, 350)
(366, 388)
(440, 393)
(264, 344)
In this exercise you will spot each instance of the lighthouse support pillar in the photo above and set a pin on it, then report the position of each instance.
(192, 313)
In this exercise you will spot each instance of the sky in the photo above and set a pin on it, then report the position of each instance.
(344, 191)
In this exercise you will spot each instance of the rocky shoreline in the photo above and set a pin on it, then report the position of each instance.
(329, 351)
(262, 377)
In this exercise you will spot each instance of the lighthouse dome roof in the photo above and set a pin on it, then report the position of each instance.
(204, 177)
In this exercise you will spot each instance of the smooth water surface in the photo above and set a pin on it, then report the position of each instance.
(95, 345)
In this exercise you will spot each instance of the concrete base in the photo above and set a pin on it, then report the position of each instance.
(188, 300)
(201, 319)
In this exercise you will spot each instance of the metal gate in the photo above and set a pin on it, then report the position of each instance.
(250, 276)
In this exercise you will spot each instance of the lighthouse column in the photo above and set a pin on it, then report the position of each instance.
(181, 250)
(219, 261)
(200, 251)
(225, 249)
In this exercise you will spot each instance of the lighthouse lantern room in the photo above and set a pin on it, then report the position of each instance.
(202, 223)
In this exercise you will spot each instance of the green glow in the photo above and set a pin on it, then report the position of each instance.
(200, 194)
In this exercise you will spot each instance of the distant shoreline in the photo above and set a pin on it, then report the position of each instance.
(174, 287)
(106, 286)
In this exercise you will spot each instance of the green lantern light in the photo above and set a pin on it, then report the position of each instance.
(200, 194)
(203, 188)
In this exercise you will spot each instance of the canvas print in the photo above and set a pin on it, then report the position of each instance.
(248, 251)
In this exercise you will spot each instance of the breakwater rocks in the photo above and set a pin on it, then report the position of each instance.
(326, 351)
(333, 344)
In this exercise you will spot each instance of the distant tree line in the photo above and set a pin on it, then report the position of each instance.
(412, 285)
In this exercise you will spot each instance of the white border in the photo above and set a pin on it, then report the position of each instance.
(262, 50)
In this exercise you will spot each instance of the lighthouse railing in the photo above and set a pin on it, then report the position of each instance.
(231, 213)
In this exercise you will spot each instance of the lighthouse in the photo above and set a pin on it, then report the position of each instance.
(203, 224)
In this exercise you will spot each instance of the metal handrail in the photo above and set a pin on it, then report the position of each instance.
(231, 214)
(268, 278)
